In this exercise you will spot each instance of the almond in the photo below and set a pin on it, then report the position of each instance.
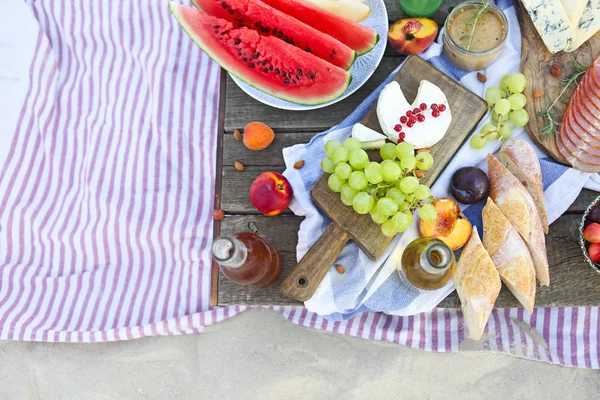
(299, 164)
(424, 150)
(239, 166)
(339, 268)
(537, 93)
(218, 215)
(481, 77)
(419, 173)
(237, 135)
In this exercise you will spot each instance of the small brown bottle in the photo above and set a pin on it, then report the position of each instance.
(427, 263)
(245, 258)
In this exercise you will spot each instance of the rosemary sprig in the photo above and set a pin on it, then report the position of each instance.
(551, 117)
(478, 12)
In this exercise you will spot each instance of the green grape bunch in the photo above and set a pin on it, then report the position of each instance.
(389, 191)
(506, 103)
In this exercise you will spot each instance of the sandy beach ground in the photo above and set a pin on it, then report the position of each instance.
(259, 355)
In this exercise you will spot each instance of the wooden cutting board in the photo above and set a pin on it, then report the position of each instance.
(536, 61)
(467, 109)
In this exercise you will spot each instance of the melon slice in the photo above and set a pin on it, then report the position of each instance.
(268, 21)
(351, 9)
(358, 37)
(266, 63)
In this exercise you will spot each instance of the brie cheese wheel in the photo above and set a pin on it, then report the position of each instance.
(392, 104)
(368, 138)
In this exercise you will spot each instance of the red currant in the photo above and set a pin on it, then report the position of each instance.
(423, 106)
(402, 135)
(434, 107)
(421, 118)
(416, 110)
(410, 123)
(398, 127)
(435, 113)
(403, 119)
(442, 107)
(409, 113)
(412, 120)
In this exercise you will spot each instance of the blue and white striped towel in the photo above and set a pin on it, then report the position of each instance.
(374, 285)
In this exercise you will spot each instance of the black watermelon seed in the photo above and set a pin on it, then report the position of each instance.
(264, 29)
(279, 34)
(286, 81)
(251, 65)
(308, 50)
(299, 72)
(311, 75)
(239, 20)
(270, 68)
(293, 81)
(331, 56)
(244, 59)
(224, 5)
(283, 74)
(291, 42)
(277, 71)
(285, 39)
(264, 63)
(240, 25)
(333, 51)
(274, 31)
(257, 24)
(238, 41)
(256, 54)
(230, 11)
(265, 70)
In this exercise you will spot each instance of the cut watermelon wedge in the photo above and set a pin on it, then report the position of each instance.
(267, 21)
(358, 37)
(267, 63)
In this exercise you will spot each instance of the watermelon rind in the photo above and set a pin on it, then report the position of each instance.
(320, 100)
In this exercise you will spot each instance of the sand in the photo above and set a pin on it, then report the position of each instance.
(259, 355)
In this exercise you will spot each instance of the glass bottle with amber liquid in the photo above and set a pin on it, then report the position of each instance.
(246, 259)
(427, 263)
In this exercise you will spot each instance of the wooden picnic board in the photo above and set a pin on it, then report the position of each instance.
(574, 282)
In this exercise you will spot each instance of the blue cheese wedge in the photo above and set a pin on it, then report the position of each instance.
(368, 138)
(552, 23)
(588, 24)
(574, 9)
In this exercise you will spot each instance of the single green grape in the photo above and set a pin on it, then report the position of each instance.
(330, 146)
(492, 95)
(388, 151)
(351, 143)
(404, 149)
(505, 131)
(358, 180)
(362, 203)
(427, 212)
(501, 107)
(358, 158)
(424, 161)
(478, 142)
(408, 162)
(377, 217)
(494, 117)
(517, 82)
(519, 117)
(422, 192)
(517, 101)
(390, 171)
(343, 170)
(335, 183)
(410, 197)
(402, 221)
(373, 172)
(340, 155)
(327, 165)
(409, 184)
(347, 194)
(486, 129)
(386, 206)
(504, 83)
(387, 228)
(404, 206)
(396, 195)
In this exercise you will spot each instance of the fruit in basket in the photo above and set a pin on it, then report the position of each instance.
(450, 225)
(256, 15)
(469, 185)
(271, 193)
(412, 35)
(267, 63)
(592, 233)
(594, 215)
(258, 136)
(353, 10)
(594, 252)
(356, 36)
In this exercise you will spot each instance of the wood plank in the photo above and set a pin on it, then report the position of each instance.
(573, 281)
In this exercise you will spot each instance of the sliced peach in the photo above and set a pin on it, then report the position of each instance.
(412, 35)
(450, 226)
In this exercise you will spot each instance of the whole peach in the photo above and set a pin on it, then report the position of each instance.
(271, 193)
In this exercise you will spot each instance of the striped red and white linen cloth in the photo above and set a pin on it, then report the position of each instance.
(106, 196)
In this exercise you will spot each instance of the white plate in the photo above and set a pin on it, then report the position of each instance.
(361, 70)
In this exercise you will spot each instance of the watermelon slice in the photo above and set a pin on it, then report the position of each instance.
(358, 37)
(267, 21)
(265, 62)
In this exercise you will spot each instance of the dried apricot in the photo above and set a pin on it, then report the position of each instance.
(258, 136)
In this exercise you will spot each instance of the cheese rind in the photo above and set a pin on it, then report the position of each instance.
(552, 23)
(588, 25)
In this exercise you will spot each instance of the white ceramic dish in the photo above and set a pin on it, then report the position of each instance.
(361, 70)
